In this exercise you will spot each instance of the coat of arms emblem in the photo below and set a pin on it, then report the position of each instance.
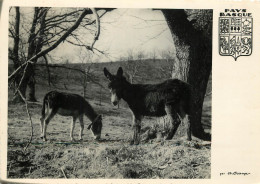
(235, 33)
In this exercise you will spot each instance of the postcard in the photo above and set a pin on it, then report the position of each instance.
(130, 91)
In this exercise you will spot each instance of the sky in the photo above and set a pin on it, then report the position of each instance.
(123, 29)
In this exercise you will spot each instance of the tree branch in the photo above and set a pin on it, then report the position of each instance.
(62, 38)
(97, 26)
(75, 69)
(20, 83)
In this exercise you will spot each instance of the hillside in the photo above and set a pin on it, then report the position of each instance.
(111, 157)
(71, 81)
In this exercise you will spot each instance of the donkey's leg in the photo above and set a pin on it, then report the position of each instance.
(42, 122)
(137, 129)
(81, 127)
(185, 118)
(42, 119)
(188, 127)
(72, 128)
(46, 122)
(174, 121)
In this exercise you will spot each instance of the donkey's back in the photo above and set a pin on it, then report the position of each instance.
(154, 97)
(65, 104)
(172, 86)
(68, 104)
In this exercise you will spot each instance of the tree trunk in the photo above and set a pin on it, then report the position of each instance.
(16, 60)
(194, 53)
(48, 70)
(31, 87)
(16, 39)
(31, 52)
(35, 46)
(100, 100)
(85, 85)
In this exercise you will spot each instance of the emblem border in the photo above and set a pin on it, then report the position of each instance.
(219, 38)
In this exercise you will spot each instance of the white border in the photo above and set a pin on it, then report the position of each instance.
(236, 93)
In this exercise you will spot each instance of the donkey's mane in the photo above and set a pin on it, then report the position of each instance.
(122, 79)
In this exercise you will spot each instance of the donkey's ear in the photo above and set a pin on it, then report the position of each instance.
(99, 117)
(120, 72)
(107, 74)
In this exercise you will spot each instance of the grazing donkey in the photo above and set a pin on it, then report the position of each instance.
(170, 98)
(67, 104)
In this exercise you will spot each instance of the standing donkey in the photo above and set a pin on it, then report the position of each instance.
(170, 98)
(67, 104)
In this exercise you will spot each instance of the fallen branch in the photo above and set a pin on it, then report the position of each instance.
(9, 169)
(28, 113)
(63, 173)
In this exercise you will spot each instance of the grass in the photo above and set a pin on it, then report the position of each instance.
(173, 159)
(112, 156)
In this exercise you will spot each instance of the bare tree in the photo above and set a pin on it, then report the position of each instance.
(130, 54)
(169, 57)
(86, 67)
(133, 64)
(49, 28)
(140, 55)
(153, 54)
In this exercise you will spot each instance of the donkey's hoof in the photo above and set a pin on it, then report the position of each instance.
(188, 139)
(132, 142)
(43, 138)
(135, 142)
(167, 138)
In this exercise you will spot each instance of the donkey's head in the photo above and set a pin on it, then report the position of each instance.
(116, 84)
(96, 127)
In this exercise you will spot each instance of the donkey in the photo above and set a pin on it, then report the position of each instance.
(171, 98)
(67, 104)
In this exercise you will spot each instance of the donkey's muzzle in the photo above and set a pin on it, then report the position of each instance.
(115, 103)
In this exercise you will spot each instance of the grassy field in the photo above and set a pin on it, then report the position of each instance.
(112, 156)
